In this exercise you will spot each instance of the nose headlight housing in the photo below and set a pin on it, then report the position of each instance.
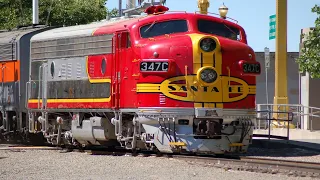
(207, 75)
(208, 44)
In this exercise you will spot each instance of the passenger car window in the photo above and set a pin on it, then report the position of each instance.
(220, 29)
(162, 28)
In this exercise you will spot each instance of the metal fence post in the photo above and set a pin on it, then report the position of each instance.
(311, 119)
(258, 116)
(288, 134)
(269, 130)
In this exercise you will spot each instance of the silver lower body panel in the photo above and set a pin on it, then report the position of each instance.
(165, 128)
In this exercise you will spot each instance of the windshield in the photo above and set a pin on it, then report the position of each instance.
(220, 29)
(162, 28)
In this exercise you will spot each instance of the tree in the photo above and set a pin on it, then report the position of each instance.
(309, 61)
(114, 12)
(15, 13)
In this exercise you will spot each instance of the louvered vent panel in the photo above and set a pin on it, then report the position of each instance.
(71, 47)
(7, 52)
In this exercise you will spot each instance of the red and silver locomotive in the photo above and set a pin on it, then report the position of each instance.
(167, 82)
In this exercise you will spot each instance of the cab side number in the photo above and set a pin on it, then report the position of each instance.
(251, 68)
(154, 66)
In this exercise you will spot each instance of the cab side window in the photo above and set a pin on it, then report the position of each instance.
(128, 40)
(125, 40)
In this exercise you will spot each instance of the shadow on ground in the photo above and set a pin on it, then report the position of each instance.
(282, 148)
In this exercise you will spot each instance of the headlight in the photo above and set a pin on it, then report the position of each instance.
(208, 75)
(208, 44)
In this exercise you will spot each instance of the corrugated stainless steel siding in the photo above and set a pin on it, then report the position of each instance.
(71, 47)
(8, 51)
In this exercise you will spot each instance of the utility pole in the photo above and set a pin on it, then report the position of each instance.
(267, 66)
(120, 8)
(35, 12)
(281, 88)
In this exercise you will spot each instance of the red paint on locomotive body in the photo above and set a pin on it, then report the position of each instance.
(178, 86)
(179, 49)
(166, 82)
(232, 53)
(72, 105)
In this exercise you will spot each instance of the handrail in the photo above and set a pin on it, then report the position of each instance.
(2, 83)
(269, 118)
(44, 86)
(304, 115)
(39, 88)
(28, 87)
(298, 105)
(27, 94)
(176, 12)
(218, 15)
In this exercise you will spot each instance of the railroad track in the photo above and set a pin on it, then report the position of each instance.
(252, 164)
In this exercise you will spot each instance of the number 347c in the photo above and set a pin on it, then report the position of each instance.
(154, 66)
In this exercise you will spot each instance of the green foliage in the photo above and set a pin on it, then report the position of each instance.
(113, 13)
(53, 12)
(309, 61)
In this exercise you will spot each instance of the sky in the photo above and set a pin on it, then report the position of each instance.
(253, 16)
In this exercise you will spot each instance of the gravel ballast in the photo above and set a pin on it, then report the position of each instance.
(51, 164)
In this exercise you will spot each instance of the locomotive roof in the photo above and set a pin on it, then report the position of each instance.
(89, 29)
(9, 39)
(14, 35)
(78, 30)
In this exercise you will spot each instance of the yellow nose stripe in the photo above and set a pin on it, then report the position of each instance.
(201, 59)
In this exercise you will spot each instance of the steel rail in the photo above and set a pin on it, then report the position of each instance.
(312, 165)
(264, 165)
(253, 164)
(13, 147)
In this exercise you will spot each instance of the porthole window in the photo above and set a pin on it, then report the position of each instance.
(103, 66)
(52, 69)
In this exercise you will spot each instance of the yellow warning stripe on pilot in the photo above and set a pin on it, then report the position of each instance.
(236, 145)
(177, 144)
